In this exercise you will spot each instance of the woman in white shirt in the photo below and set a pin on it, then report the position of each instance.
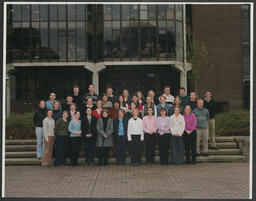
(135, 137)
(177, 129)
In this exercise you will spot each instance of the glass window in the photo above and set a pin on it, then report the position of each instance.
(179, 12)
(152, 12)
(116, 12)
(53, 12)
(71, 12)
(107, 12)
(25, 12)
(161, 12)
(16, 12)
(80, 12)
(170, 12)
(143, 12)
(44, 40)
(43, 12)
(125, 12)
(53, 50)
(35, 40)
(61, 12)
(35, 12)
(134, 12)
(81, 50)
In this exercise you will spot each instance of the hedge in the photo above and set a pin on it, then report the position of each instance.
(234, 122)
(20, 126)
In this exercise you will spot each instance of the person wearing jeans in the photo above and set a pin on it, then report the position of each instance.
(177, 130)
(38, 118)
(202, 128)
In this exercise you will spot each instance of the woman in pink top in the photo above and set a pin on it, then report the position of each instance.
(149, 128)
(189, 135)
(163, 125)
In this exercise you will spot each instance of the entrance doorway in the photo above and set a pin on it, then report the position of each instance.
(142, 78)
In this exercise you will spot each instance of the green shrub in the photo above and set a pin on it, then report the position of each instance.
(234, 122)
(20, 126)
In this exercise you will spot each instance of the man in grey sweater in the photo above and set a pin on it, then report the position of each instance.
(202, 128)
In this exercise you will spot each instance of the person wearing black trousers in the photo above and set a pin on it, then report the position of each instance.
(104, 138)
(61, 133)
(189, 135)
(77, 98)
(120, 125)
(89, 131)
(149, 128)
(74, 128)
(163, 129)
(135, 137)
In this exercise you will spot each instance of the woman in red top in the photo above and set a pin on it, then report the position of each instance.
(98, 112)
(141, 101)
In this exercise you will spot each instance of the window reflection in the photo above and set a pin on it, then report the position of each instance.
(112, 32)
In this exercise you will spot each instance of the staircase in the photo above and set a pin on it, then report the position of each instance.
(23, 152)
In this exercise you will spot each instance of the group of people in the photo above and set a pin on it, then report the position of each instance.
(123, 123)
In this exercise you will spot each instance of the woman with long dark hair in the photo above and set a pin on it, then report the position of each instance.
(104, 139)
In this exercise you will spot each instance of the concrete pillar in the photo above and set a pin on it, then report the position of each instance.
(183, 79)
(95, 69)
(8, 95)
(95, 81)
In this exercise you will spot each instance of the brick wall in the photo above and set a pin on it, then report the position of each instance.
(219, 26)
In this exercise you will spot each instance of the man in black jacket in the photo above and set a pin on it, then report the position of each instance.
(91, 94)
(209, 104)
(192, 101)
(77, 98)
(120, 126)
(89, 132)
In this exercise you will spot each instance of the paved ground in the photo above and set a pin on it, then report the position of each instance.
(206, 180)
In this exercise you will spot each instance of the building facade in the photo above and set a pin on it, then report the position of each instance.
(135, 46)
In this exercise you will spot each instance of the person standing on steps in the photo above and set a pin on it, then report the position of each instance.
(202, 128)
(210, 105)
(38, 118)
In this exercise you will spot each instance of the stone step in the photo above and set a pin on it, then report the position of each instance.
(32, 154)
(224, 139)
(212, 158)
(227, 145)
(21, 142)
(27, 147)
(33, 141)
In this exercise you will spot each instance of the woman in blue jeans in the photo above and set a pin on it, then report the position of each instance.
(39, 116)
